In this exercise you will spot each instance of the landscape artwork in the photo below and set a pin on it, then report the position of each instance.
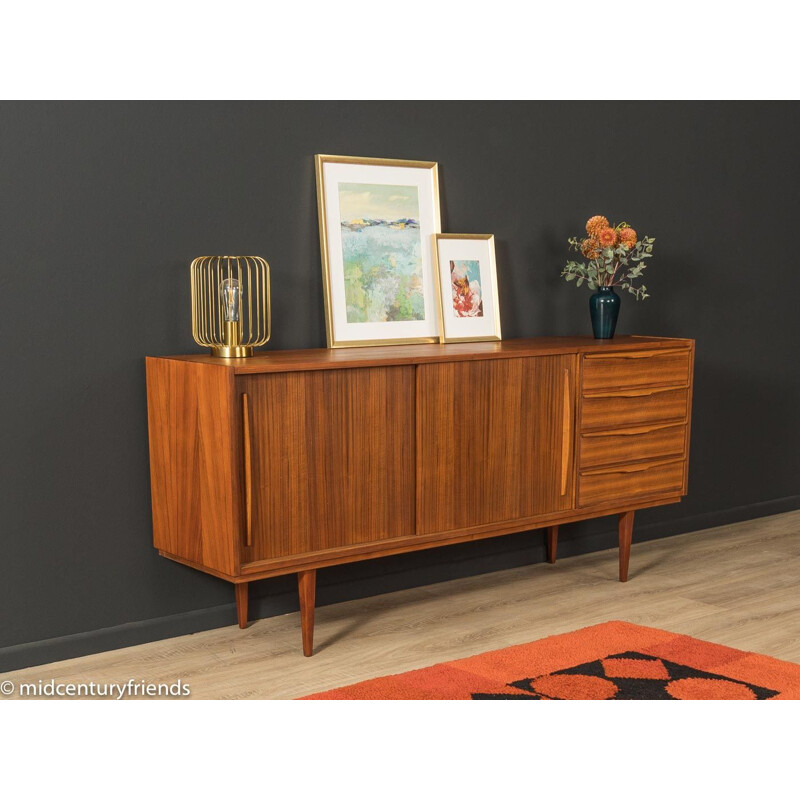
(466, 287)
(382, 252)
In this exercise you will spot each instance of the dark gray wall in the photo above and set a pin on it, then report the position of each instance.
(105, 204)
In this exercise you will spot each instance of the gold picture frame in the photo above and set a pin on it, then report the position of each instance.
(380, 172)
(455, 324)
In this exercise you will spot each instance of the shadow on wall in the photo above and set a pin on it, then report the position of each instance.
(561, 306)
(733, 415)
(508, 310)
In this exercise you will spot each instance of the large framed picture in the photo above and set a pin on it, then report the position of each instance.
(376, 219)
(469, 310)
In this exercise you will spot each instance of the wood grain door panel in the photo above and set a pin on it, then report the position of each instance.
(637, 368)
(494, 441)
(332, 458)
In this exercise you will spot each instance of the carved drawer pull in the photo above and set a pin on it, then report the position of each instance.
(634, 431)
(631, 468)
(636, 392)
(248, 471)
(643, 354)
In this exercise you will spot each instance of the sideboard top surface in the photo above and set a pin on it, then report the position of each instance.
(298, 360)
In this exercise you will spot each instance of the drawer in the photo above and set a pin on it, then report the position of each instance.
(639, 368)
(656, 440)
(634, 406)
(629, 481)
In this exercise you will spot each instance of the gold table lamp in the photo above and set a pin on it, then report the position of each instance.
(231, 304)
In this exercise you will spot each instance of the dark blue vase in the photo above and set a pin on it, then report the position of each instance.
(604, 308)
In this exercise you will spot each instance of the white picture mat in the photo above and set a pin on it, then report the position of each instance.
(332, 175)
(480, 250)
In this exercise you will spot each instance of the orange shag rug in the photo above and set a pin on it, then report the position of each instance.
(612, 661)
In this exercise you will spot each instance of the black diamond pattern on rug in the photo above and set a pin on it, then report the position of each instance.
(629, 676)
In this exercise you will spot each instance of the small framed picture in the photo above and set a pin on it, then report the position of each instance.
(467, 287)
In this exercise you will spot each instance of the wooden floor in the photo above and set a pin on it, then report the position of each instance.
(737, 585)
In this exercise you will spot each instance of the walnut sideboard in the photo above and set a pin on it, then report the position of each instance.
(295, 460)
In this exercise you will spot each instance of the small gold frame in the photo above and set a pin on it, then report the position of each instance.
(488, 237)
(231, 339)
(319, 162)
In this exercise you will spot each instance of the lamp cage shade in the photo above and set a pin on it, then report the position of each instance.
(231, 304)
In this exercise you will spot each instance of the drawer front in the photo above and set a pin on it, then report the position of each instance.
(641, 368)
(634, 406)
(657, 440)
(630, 481)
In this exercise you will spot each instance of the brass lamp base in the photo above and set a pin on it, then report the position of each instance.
(236, 351)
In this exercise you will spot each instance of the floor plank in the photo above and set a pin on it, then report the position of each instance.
(737, 585)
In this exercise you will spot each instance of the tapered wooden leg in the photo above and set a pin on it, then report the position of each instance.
(552, 543)
(625, 536)
(241, 603)
(306, 587)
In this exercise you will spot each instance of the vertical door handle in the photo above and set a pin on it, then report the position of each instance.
(248, 471)
(566, 432)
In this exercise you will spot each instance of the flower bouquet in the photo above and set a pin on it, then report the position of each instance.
(616, 257)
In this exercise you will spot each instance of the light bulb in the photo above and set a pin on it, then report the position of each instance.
(230, 292)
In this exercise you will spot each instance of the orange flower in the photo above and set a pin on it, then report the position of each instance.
(627, 238)
(595, 225)
(607, 237)
(590, 248)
